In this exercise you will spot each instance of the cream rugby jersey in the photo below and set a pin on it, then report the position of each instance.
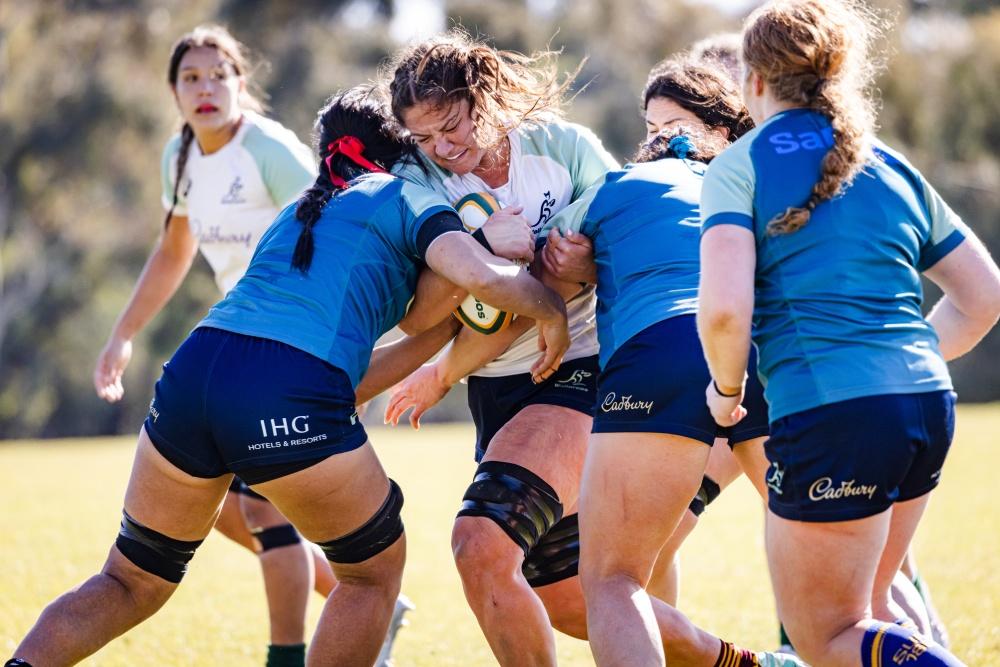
(232, 196)
(551, 165)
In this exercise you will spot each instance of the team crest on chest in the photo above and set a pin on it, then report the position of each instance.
(235, 194)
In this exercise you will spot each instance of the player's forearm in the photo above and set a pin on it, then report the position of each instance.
(511, 289)
(958, 332)
(161, 277)
(725, 339)
(471, 351)
(434, 300)
(392, 363)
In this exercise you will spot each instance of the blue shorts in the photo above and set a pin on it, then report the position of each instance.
(853, 459)
(494, 401)
(250, 406)
(655, 383)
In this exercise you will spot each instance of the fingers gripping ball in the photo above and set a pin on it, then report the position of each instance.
(475, 209)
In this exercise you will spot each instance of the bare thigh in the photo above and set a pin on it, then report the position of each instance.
(333, 497)
(550, 441)
(636, 488)
(170, 501)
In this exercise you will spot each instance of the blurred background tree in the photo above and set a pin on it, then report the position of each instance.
(85, 112)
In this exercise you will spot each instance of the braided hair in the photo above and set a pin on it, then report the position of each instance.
(817, 54)
(360, 114)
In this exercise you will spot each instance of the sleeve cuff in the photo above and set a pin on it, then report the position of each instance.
(728, 218)
(936, 253)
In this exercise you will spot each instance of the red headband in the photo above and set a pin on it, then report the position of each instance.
(350, 147)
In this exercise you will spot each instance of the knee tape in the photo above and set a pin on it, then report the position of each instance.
(708, 492)
(378, 534)
(276, 536)
(516, 499)
(154, 552)
(556, 556)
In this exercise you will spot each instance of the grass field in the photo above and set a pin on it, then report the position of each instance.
(61, 507)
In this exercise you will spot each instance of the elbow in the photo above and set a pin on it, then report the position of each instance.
(723, 318)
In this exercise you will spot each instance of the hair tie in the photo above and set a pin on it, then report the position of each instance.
(681, 146)
(350, 147)
(814, 91)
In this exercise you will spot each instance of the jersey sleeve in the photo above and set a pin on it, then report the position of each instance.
(422, 206)
(286, 165)
(947, 230)
(574, 217)
(168, 171)
(728, 189)
(589, 161)
(418, 171)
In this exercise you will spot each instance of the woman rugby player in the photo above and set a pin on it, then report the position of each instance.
(225, 178)
(264, 388)
(820, 232)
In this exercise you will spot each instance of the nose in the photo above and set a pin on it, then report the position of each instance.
(443, 147)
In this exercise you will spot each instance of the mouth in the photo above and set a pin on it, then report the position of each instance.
(206, 108)
(455, 157)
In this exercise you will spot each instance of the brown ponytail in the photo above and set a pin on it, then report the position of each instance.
(817, 54)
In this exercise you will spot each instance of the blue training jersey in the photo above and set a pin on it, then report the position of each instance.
(369, 243)
(837, 303)
(645, 225)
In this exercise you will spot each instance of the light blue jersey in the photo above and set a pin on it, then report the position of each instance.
(369, 243)
(645, 226)
(837, 303)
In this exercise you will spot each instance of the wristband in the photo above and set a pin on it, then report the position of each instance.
(715, 385)
(480, 236)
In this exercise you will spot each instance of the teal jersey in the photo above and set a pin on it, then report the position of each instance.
(369, 245)
(837, 303)
(645, 225)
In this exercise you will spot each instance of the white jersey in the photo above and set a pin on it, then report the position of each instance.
(231, 196)
(551, 165)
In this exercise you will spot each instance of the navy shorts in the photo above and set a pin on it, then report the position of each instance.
(250, 406)
(494, 401)
(853, 459)
(655, 383)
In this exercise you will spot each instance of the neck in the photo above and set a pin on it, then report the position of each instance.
(210, 141)
(771, 106)
(494, 168)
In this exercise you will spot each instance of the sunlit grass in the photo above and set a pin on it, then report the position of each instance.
(61, 507)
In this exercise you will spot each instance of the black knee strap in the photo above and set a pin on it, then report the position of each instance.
(708, 492)
(516, 499)
(556, 556)
(154, 552)
(378, 534)
(276, 536)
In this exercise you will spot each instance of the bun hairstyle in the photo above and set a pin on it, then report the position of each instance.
(817, 54)
(354, 136)
(701, 88)
(503, 88)
(235, 53)
(682, 142)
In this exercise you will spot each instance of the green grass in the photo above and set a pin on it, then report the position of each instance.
(61, 504)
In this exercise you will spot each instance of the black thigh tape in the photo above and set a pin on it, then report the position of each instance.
(708, 492)
(378, 534)
(276, 536)
(556, 556)
(516, 499)
(154, 552)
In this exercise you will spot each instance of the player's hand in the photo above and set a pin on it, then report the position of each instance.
(111, 364)
(553, 341)
(570, 257)
(726, 410)
(420, 391)
(510, 235)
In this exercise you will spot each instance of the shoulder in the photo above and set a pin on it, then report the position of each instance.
(171, 148)
(265, 137)
(556, 135)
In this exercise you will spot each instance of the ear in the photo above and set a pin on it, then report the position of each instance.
(721, 130)
(756, 84)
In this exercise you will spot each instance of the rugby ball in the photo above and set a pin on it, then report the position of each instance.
(475, 209)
